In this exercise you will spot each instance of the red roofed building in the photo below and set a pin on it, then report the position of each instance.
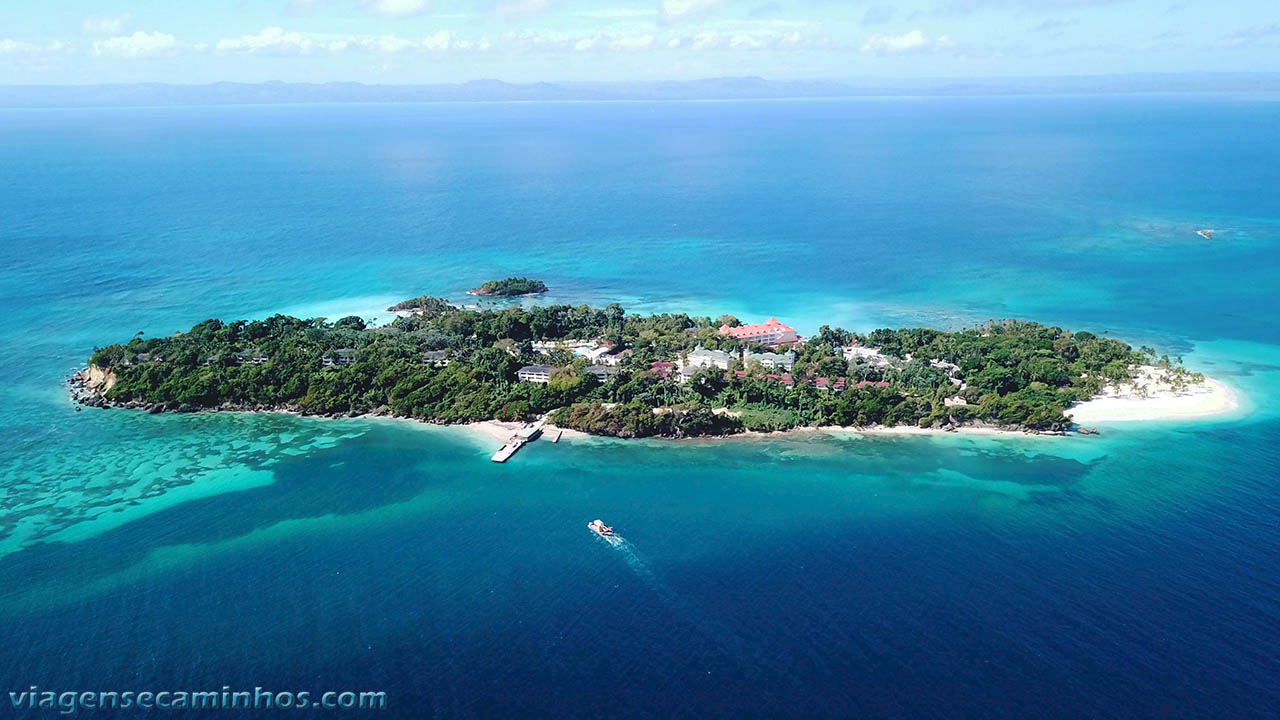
(868, 383)
(662, 368)
(771, 332)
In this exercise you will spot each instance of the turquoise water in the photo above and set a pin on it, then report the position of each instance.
(1129, 575)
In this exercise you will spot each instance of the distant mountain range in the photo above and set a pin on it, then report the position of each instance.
(738, 88)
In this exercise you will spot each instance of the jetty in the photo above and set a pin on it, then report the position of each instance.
(522, 437)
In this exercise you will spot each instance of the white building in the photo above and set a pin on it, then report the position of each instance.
(701, 357)
(535, 373)
(773, 361)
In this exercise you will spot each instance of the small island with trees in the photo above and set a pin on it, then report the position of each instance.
(509, 287)
(605, 372)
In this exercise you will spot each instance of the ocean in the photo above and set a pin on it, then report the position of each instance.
(1130, 575)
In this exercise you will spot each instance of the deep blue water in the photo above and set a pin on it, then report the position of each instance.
(1132, 575)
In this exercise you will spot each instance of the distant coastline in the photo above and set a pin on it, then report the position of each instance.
(723, 88)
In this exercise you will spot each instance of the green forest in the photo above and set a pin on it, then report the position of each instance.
(1011, 373)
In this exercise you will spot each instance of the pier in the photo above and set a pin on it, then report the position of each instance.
(524, 436)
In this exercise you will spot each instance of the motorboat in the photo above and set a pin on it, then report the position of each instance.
(598, 527)
(1206, 234)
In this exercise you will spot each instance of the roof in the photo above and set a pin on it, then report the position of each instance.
(703, 352)
(868, 383)
(536, 369)
(768, 327)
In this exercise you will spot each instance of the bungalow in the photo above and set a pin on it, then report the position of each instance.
(662, 368)
(770, 332)
(252, 356)
(436, 358)
(341, 356)
(602, 372)
(773, 361)
(535, 373)
(869, 383)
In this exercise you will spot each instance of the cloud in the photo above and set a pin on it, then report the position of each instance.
(768, 9)
(395, 8)
(1054, 24)
(98, 25)
(1252, 35)
(877, 15)
(910, 42)
(633, 42)
(705, 40)
(521, 7)
(270, 41)
(746, 41)
(588, 43)
(963, 7)
(673, 10)
(18, 47)
(438, 41)
(138, 45)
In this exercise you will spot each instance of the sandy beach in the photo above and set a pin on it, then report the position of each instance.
(1158, 402)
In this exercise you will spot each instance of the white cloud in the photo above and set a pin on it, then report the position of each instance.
(138, 45)
(388, 43)
(673, 10)
(395, 8)
(438, 41)
(521, 7)
(1252, 35)
(98, 25)
(589, 42)
(633, 42)
(269, 41)
(909, 42)
(744, 41)
(705, 40)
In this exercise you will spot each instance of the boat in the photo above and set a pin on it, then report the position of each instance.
(598, 527)
(1206, 234)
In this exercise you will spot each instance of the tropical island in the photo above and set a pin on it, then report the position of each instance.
(509, 287)
(605, 372)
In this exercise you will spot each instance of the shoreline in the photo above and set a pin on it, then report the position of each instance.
(1149, 399)
(1115, 404)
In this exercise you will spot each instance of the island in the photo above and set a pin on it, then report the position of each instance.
(509, 287)
(606, 372)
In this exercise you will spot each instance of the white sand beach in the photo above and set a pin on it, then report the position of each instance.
(1151, 398)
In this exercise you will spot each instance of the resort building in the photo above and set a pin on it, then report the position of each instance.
(341, 356)
(701, 357)
(773, 361)
(436, 358)
(535, 373)
(602, 372)
(662, 368)
(770, 332)
(871, 355)
(252, 356)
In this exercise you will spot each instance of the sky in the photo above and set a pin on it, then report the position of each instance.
(438, 41)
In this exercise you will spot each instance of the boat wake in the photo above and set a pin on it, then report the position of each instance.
(705, 623)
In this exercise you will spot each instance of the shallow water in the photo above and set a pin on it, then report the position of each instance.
(1129, 575)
